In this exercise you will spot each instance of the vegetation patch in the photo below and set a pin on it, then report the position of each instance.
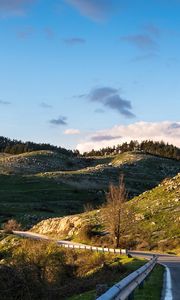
(152, 288)
(41, 270)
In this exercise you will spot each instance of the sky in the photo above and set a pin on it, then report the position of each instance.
(86, 74)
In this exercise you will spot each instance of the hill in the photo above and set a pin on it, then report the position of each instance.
(141, 171)
(42, 184)
(37, 161)
(157, 214)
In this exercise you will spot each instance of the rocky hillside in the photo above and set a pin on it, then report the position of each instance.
(157, 214)
(142, 172)
(37, 161)
(68, 227)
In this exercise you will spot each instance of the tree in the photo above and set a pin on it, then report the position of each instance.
(117, 216)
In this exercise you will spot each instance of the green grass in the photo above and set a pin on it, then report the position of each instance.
(28, 198)
(159, 210)
(152, 288)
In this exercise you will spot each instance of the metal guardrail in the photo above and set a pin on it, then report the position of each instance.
(93, 248)
(125, 288)
(69, 245)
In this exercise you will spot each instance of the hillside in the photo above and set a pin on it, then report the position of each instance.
(141, 171)
(157, 214)
(42, 184)
(37, 161)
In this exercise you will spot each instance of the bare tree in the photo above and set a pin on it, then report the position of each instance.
(115, 213)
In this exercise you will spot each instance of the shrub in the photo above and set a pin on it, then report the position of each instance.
(11, 225)
(86, 233)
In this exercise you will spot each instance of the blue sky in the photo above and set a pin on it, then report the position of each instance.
(90, 73)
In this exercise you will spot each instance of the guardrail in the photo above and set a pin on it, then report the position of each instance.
(92, 248)
(69, 245)
(125, 288)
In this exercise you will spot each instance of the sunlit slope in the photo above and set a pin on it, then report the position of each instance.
(157, 214)
(36, 161)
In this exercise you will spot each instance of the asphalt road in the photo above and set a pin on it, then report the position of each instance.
(171, 262)
(172, 277)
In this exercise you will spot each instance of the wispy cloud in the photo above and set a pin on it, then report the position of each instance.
(61, 120)
(25, 33)
(74, 41)
(100, 138)
(156, 131)
(148, 56)
(94, 9)
(99, 111)
(4, 102)
(49, 33)
(14, 7)
(140, 41)
(45, 105)
(109, 97)
(72, 131)
(152, 29)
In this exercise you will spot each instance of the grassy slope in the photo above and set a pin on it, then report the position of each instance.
(30, 195)
(29, 199)
(158, 211)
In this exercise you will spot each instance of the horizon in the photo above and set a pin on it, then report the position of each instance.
(90, 74)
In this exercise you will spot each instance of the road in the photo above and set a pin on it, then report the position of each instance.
(171, 262)
(172, 278)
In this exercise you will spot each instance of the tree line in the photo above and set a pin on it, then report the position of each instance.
(17, 147)
(150, 147)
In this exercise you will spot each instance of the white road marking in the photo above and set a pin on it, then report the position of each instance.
(168, 288)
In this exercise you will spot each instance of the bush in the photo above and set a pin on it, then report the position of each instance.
(11, 225)
(86, 233)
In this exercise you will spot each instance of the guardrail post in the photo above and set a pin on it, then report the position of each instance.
(131, 296)
(141, 285)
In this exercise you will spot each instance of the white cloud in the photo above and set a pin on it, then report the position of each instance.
(156, 131)
(72, 131)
